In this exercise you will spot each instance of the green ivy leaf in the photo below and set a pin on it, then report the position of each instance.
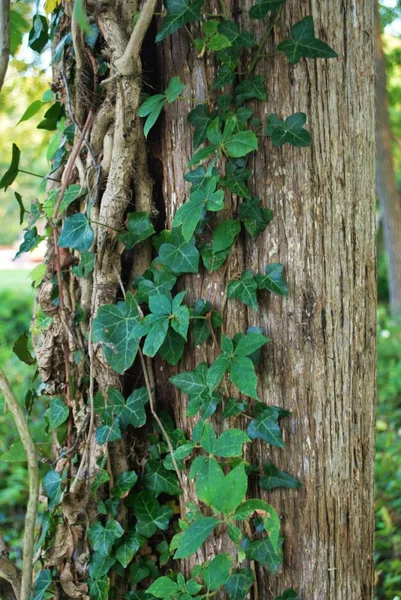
(303, 43)
(31, 111)
(110, 429)
(128, 547)
(77, 233)
(139, 228)
(239, 39)
(217, 572)
(99, 588)
(39, 35)
(102, 538)
(291, 131)
(100, 565)
(224, 235)
(124, 483)
(179, 13)
(274, 478)
(238, 584)
(113, 326)
(200, 119)
(151, 516)
(193, 382)
(195, 535)
(225, 75)
(179, 255)
(202, 154)
(246, 510)
(70, 195)
(57, 413)
(42, 584)
(264, 553)
(172, 348)
(235, 181)
(213, 261)
(163, 587)
(254, 217)
(265, 426)
(174, 89)
(244, 289)
(247, 344)
(217, 370)
(240, 144)
(288, 595)
(151, 108)
(262, 7)
(159, 480)
(230, 491)
(12, 171)
(179, 454)
(31, 241)
(52, 486)
(273, 280)
(233, 408)
(86, 265)
(189, 215)
(133, 413)
(20, 349)
(243, 376)
(230, 443)
(250, 89)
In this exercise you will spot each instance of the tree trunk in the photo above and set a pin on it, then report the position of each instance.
(320, 363)
(386, 184)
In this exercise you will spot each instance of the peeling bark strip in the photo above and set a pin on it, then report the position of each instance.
(320, 363)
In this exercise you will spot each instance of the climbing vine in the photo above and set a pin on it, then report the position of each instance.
(135, 524)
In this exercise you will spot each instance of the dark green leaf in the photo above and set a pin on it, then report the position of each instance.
(22, 210)
(304, 43)
(273, 280)
(243, 376)
(57, 413)
(38, 36)
(172, 348)
(266, 427)
(230, 443)
(42, 584)
(100, 565)
(159, 480)
(202, 154)
(86, 265)
(241, 144)
(174, 89)
(99, 588)
(180, 256)
(254, 217)
(200, 118)
(217, 370)
(77, 233)
(110, 429)
(128, 547)
(238, 584)
(102, 538)
(113, 327)
(31, 111)
(262, 7)
(189, 215)
(235, 181)
(151, 516)
(163, 587)
(274, 478)
(52, 486)
(152, 107)
(31, 240)
(224, 235)
(225, 75)
(179, 13)
(250, 89)
(217, 572)
(233, 408)
(244, 289)
(249, 343)
(230, 491)
(195, 535)
(291, 131)
(133, 412)
(288, 595)
(12, 171)
(239, 39)
(264, 553)
(124, 483)
(20, 348)
(139, 228)
(213, 261)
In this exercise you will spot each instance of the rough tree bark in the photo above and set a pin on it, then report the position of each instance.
(386, 184)
(321, 360)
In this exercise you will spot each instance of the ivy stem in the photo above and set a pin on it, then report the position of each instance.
(263, 42)
(104, 225)
(37, 175)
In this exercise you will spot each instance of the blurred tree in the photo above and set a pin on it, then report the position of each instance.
(386, 184)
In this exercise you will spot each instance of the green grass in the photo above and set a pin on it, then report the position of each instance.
(15, 279)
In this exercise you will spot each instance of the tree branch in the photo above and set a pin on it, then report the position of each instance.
(33, 473)
(126, 63)
(4, 38)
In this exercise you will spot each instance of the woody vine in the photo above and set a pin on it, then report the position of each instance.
(114, 523)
